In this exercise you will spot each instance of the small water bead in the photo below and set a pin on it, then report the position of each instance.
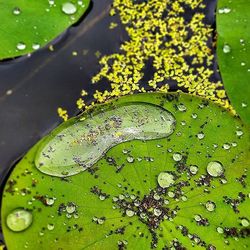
(130, 159)
(242, 63)
(226, 48)
(50, 227)
(210, 206)
(224, 10)
(16, 11)
(215, 168)
(226, 146)
(197, 218)
(183, 123)
(19, 220)
(165, 180)
(181, 107)
(71, 208)
(35, 46)
(157, 197)
(21, 46)
(171, 194)
(234, 144)
(49, 201)
(200, 135)
(243, 105)
(245, 222)
(130, 213)
(220, 230)
(69, 8)
(194, 115)
(157, 212)
(193, 169)
(239, 133)
(102, 197)
(177, 157)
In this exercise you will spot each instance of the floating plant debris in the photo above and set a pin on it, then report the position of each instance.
(36, 23)
(153, 201)
(233, 49)
(84, 140)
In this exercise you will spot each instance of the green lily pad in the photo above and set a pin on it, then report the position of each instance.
(233, 49)
(27, 26)
(186, 187)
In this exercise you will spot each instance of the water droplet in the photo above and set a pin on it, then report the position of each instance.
(220, 230)
(226, 146)
(215, 168)
(70, 208)
(50, 227)
(226, 48)
(171, 194)
(243, 105)
(210, 206)
(157, 197)
(69, 8)
(239, 132)
(193, 169)
(194, 115)
(130, 213)
(157, 212)
(21, 46)
(224, 10)
(245, 222)
(197, 218)
(177, 157)
(49, 201)
(242, 63)
(130, 159)
(36, 46)
(200, 135)
(19, 220)
(181, 107)
(183, 123)
(16, 11)
(165, 180)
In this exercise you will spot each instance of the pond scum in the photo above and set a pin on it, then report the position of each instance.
(170, 36)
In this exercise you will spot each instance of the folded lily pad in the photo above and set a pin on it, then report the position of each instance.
(182, 187)
(27, 26)
(233, 49)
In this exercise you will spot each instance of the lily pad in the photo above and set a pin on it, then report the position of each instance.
(233, 49)
(188, 188)
(26, 27)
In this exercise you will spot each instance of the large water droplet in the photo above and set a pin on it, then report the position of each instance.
(19, 220)
(165, 180)
(69, 8)
(215, 168)
(21, 46)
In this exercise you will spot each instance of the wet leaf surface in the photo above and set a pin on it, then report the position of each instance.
(233, 49)
(26, 27)
(188, 189)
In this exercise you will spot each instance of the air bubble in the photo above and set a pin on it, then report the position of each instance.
(19, 220)
(215, 168)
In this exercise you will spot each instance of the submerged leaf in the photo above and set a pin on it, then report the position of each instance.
(188, 189)
(26, 27)
(233, 49)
